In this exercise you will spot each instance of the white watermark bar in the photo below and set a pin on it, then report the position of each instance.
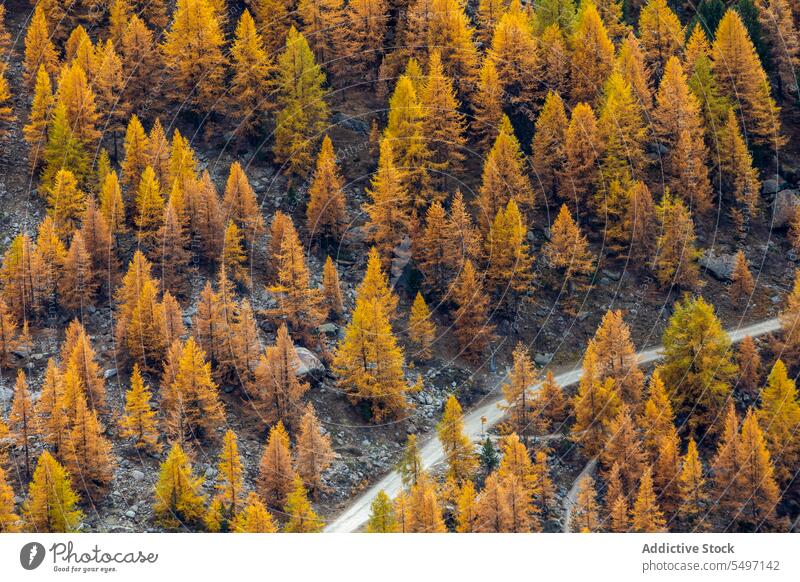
(354, 557)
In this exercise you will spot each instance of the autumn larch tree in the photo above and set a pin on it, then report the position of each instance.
(78, 98)
(326, 214)
(24, 278)
(741, 78)
(790, 316)
(742, 283)
(241, 204)
(738, 174)
(136, 158)
(424, 508)
(35, 131)
(624, 449)
(657, 416)
(444, 125)
(212, 324)
(585, 516)
(51, 505)
(193, 58)
(22, 419)
(547, 150)
(254, 518)
(77, 286)
(465, 508)
(79, 353)
(616, 357)
(550, 405)
(250, 84)
(179, 498)
(410, 463)
(503, 177)
(64, 149)
(313, 452)
(149, 210)
(555, 57)
(233, 255)
(65, 203)
(622, 131)
(382, 518)
(595, 406)
(567, 251)
(39, 49)
(298, 304)
(725, 466)
(434, 251)
(678, 126)
(779, 416)
(302, 518)
(205, 217)
(89, 454)
(443, 25)
(10, 522)
(755, 482)
(108, 82)
(697, 362)
(675, 262)
(369, 363)
(139, 420)
(472, 327)
(775, 17)
(661, 35)
(365, 27)
(631, 64)
(196, 395)
(331, 289)
(749, 362)
(9, 335)
(492, 511)
(421, 328)
(275, 472)
(458, 449)
(303, 113)
(158, 154)
(50, 415)
(100, 247)
(519, 394)
(375, 285)
(140, 60)
(390, 218)
(592, 54)
(487, 103)
(230, 484)
(639, 221)
(172, 255)
(508, 271)
(515, 55)
(646, 516)
(406, 132)
(582, 149)
(692, 486)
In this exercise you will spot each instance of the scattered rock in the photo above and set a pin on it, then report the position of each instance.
(613, 275)
(110, 373)
(773, 185)
(720, 266)
(542, 359)
(310, 365)
(783, 208)
(352, 123)
(329, 328)
(130, 514)
(137, 475)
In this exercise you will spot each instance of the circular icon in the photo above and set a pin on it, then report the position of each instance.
(31, 555)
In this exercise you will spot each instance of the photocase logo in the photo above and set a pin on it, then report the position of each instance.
(31, 555)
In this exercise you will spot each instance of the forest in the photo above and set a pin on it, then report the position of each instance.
(256, 254)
